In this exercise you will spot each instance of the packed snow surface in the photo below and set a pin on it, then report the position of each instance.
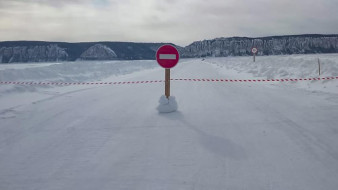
(257, 136)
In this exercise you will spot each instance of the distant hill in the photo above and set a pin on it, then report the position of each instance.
(39, 51)
(272, 45)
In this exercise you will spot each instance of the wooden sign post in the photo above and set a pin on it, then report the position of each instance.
(167, 83)
(254, 51)
(319, 66)
(167, 56)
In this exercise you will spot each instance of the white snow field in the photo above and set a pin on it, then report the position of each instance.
(234, 136)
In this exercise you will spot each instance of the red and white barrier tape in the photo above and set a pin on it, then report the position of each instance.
(257, 80)
(160, 81)
(78, 83)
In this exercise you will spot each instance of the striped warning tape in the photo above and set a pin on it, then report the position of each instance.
(257, 80)
(77, 83)
(160, 81)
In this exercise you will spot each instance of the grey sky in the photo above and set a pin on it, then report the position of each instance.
(177, 21)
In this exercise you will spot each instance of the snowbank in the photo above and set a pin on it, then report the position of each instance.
(167, 105)
(74, 71)
(290, 66)
(81, 71)
(282, 67)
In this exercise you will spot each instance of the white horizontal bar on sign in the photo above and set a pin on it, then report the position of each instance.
(167, 56)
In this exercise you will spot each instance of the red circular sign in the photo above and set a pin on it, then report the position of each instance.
(254, 50)
(167, 56)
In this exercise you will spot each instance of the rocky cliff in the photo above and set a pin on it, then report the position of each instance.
(34, 51)
(98, 52)
(277, 45)
(42, 53)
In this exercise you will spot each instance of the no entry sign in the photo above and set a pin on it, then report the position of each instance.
(167, 56)
(254, 50)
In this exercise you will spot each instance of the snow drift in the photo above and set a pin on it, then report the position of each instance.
(167, 105)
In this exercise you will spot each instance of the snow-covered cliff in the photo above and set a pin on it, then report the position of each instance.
(278, 45)
(34, 51)
(98, 52)
(41, 53)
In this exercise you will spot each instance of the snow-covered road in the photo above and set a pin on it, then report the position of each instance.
(235, 136)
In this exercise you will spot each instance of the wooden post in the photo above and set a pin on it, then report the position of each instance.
(319, 66)
(167, 83)
(254, 52)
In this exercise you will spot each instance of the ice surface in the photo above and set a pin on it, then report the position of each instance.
(167, 105)
(257, 136)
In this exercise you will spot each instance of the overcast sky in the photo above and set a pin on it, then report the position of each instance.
(177, 21)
